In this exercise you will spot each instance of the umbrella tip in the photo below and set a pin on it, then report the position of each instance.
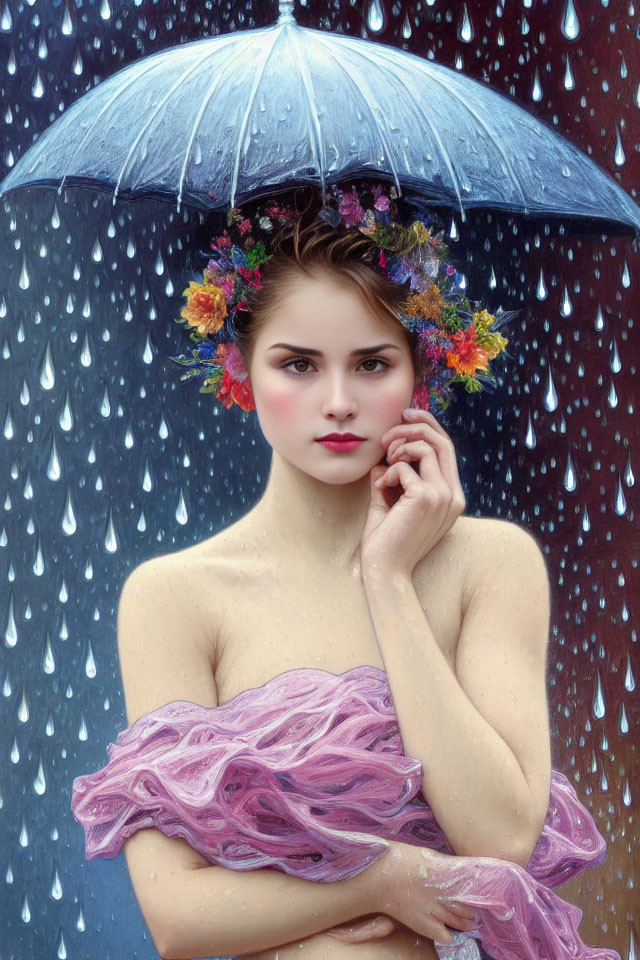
(285, 12)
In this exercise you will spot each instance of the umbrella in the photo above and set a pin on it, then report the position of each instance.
(222, 120)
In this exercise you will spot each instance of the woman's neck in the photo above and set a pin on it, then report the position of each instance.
(319, 522)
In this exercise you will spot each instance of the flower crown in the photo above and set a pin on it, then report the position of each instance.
(454, 335)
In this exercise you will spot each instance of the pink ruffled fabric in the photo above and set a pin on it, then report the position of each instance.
(307, 775)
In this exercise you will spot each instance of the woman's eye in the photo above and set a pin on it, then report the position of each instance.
(300, 360)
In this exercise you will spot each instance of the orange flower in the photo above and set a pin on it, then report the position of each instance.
(428, 304)
(467, 357)
(206, 307)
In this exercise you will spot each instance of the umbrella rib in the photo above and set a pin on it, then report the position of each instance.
(313, 122)
(196, 123)
(243, 125)
(443, 150)
(206, 56)
(129, 80)
(364, 92)
(495, 140)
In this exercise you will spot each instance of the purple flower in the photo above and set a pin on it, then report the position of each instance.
(351, 209)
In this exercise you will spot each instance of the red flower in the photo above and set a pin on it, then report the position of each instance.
(235, 391)
(467, 356)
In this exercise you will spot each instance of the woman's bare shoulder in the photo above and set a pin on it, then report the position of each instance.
(481, 540)
(206, 556)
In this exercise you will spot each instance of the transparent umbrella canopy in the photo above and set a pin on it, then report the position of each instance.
(222, 120)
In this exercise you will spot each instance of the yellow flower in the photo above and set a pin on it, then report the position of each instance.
(421, 233)
(483, 320)
(206, 307)
(492, 343)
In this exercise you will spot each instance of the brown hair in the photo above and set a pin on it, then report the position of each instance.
(313, 248)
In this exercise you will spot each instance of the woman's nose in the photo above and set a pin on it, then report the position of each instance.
(339, 395)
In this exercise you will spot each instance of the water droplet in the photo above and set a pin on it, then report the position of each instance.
(566, 308)
(39, 782)
(96, 253)
(550, 397)
(37, 89)
(47, 376)
(24, 281)
(620, 505)
(629, 478)
(6, 23)
(541, 291)
(67, 22)
(570, 23)
(530, 439)
(85, 353)
(599, 709)
(570, 481)
(536, 93)
(569, 81)
(619, 156)
(182, 515)
(623, 723)
(69, 524)
(25, 913)
(82, 732)
(465, 29)
(56, 887)
(626, 276)
(614, 363)
(599, 324)
(111, 539)
(65, 420)
(90, 664)
(375, 16)
(48, 659)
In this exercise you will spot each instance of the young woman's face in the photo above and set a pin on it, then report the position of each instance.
(324, 363)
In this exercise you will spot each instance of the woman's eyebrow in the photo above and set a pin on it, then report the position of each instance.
(318, 353)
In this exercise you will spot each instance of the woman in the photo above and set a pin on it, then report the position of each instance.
(354, 586)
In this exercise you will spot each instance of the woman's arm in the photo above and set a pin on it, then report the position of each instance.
(166, 653)
(215, 912)
(482, 736)
(481, 732)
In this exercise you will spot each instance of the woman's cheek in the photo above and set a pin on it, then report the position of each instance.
(280, 408)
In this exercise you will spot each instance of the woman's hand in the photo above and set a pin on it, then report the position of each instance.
(410, 510)
(425, 890)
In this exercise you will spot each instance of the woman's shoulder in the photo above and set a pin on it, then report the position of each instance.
(202, 563)
(485, 541)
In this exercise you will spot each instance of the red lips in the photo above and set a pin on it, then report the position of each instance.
(340, 436)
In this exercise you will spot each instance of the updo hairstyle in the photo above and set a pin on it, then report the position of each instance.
(312, 248)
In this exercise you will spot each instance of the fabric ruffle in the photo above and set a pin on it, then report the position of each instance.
(307, 775)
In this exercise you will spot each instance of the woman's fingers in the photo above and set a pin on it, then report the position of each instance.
(432, 432)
